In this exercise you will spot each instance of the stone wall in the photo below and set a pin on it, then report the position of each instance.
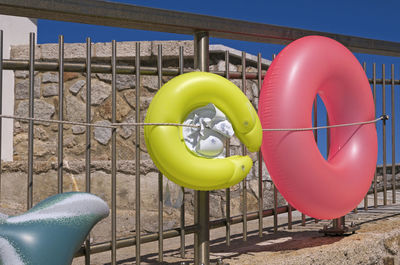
(45, 134)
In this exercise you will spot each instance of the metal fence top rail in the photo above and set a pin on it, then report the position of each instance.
(145, 18)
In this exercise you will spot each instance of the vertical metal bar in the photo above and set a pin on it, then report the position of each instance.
(1, 101)
(393, 141)
(182, 221)
(228, 211)
(114, 155)
(160, 218)
(328, 136)
(160, 176)
(244, 153)
(315, 124)
(88, 130)
(374, 93)
(303, 216)
(31, 115)
(182, 224)
(384, 136)
(315, 119)
(275, 193)
(260, 177)
(366, 195)
(275, 209)
(60, 112)
(202, 236)
(88, 108)
(227, 190)
(202, 210)
(137, 153)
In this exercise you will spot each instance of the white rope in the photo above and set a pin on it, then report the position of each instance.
(115, 125)
(383, 117)
(111, 126)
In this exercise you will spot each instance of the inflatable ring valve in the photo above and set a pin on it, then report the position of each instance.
(323, 189)
(166, 146)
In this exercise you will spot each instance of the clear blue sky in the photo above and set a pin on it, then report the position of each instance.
(369, 18)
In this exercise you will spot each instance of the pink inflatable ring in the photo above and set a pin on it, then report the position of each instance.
(323, 189)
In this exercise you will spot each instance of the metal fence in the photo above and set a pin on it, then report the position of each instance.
(114, 14)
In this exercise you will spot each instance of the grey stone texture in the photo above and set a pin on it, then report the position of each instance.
(49, 77)
(125, 50)
(42, 109)
(76, 86)
(102, 134)
(75, 109)
(50, 90)
(99, 92)
(22, 88)
(21, 74)
(77, 129)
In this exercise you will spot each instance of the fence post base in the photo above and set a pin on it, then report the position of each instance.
(339, 228)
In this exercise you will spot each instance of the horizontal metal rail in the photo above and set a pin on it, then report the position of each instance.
(145, 18)
(131, 241)
(106, 68)
(23, 65)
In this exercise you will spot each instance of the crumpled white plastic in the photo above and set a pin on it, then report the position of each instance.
(207, 140)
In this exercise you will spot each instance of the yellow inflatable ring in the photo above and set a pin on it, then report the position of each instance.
(165, 144)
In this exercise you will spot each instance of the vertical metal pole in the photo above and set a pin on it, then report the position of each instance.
(315, 119)
(275, 209)
(315, 124)
(393, 142)
(339, 223)
(88, 130)
(31, 115)
(275, 193)
(160, 176)
(328, 136)
(366, 195)
(384, 136)
(260, 196)
(160, 218)
(1, 101)
(114, 155)
(260, 177)
(182, 222)
(137, 152)
(60, 112)
(202, 211)
(244, 153)
(275, 199)
(374, 93)
(227, 190)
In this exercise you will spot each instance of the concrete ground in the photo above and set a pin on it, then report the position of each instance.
(377, 242)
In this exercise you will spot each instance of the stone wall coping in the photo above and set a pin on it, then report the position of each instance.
(126, 50)
(219, 48)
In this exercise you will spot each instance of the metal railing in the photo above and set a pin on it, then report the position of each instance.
(201, 27)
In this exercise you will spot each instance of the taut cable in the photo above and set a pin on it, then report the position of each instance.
(383, 117)
(116, 125)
